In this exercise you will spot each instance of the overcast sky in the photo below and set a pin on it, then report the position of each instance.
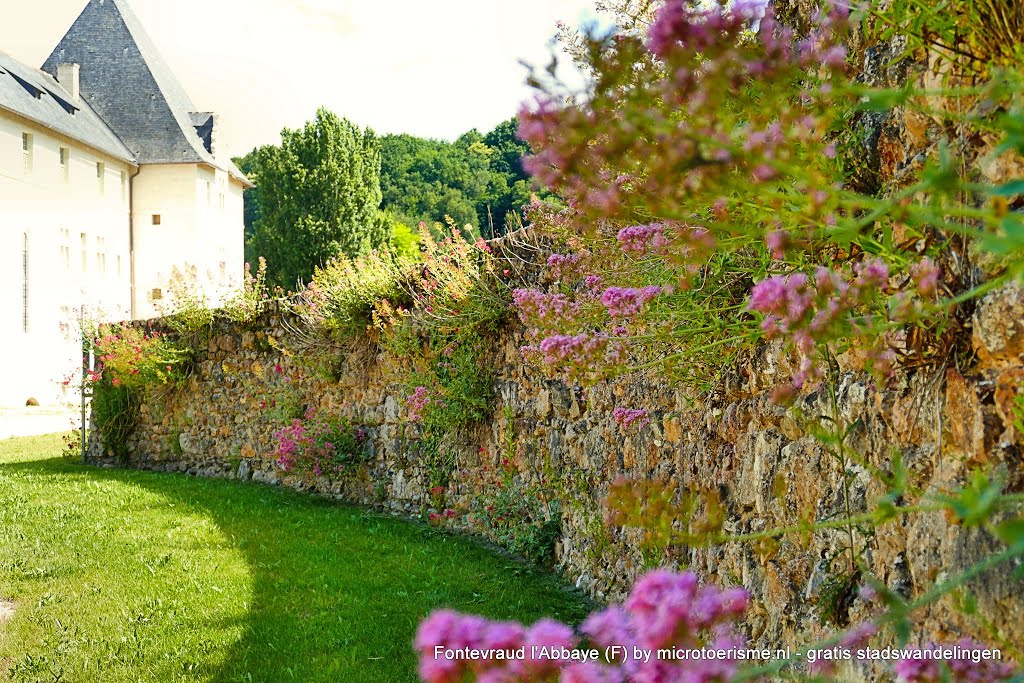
(429, 67)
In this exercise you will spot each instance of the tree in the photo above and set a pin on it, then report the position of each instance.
(319, 193)
(478, 179)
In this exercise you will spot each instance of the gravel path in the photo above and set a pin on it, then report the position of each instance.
(36, 421)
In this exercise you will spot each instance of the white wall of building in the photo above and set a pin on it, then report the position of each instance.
(73, 217)
(188, 225)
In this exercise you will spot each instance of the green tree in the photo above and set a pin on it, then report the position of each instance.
(478, 179)
(250, 199)
(319, 193)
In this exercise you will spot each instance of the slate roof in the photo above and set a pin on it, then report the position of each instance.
(124, 78)
(54, 108)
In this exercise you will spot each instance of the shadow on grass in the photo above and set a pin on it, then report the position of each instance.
(338, 591)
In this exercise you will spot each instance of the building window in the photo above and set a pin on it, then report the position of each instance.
(85, 252)
(65, 156)
(118, 265)
(101, 172)
(156, 219)
(156, 294)
(24, 282)
(65, 249)
(124, 186)
(26, 151)
(209, 193)
(101, 255)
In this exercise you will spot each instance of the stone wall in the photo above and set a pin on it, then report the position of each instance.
(762, 458)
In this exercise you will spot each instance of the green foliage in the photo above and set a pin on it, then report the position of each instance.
(131, 361)
(131, 356)
(319, 192)
(522, 516)
(404, 241)
(350, 297)
(476, 180)
(247, 303)
(461, 384)
(975, 34)
(457, 290)
(976, 503)
(188, 312)
(450, 291)
(115, 412)
(835, 597)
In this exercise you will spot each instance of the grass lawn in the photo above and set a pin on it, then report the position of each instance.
(135, 576)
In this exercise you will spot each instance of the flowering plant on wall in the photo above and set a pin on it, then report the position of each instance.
(130, 360)
(134, 357)
(319, 445)
(719, 192)
(715, 195)
(669, 630)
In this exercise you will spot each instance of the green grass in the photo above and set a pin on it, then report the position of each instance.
(134, 576)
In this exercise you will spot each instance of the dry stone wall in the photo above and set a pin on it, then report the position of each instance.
(763, 459)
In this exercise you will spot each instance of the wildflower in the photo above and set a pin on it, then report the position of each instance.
(926, 277)
(920, 667)
(777, 241)
(627, 301)
(627, 416)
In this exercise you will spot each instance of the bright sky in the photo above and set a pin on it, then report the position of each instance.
(433, 68)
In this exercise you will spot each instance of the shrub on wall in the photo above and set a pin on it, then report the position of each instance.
(130, 360)
(321, 445)
(519, 513)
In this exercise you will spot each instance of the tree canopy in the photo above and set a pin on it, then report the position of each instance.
(331, 189)
(475, 180)
(319, 193)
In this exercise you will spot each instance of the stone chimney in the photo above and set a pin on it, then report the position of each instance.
(67, 76)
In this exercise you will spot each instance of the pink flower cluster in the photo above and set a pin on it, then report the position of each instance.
(627, 301)
(625, 417)
(966, 666)
(682, 25)
(416, 402)
(317, 446)
(573, 350)
(811, 312)
(640, 239)
(926, 277)
(561, 265)
(663, 238)
(664, 610)
(537, 308)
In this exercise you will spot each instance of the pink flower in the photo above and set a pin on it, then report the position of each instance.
(609, 627)
(640, 239)
(926, 277)
(777, 241)
(627, 301)
(627, 416)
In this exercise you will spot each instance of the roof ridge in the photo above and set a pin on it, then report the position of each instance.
(125, 78)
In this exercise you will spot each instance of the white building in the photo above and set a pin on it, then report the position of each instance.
(111, 184)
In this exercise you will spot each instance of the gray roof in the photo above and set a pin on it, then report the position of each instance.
(124, 78)
(37, 96)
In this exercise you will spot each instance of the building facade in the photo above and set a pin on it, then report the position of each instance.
(113, 193)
